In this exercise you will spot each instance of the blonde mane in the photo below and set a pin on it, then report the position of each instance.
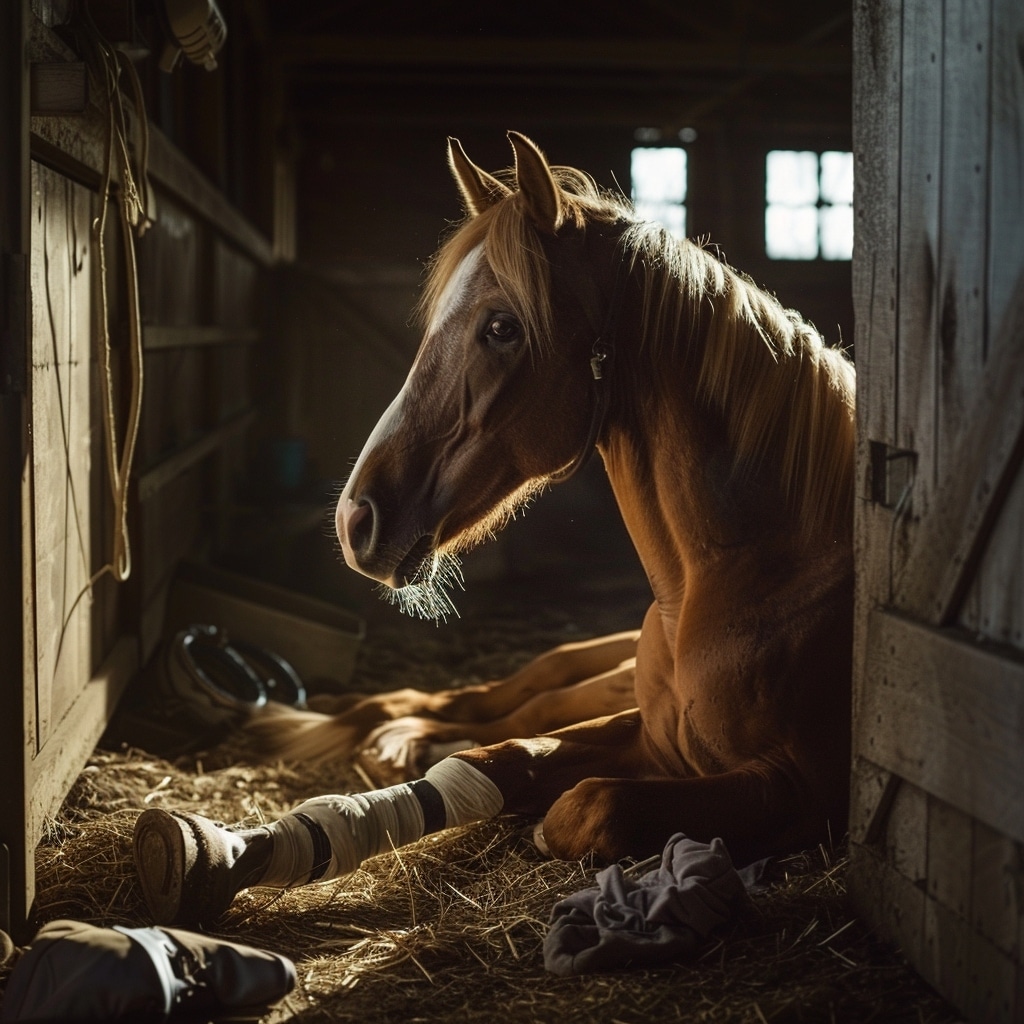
(762, 367)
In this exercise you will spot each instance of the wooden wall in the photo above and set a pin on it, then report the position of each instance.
(937, 824)
(202, 268)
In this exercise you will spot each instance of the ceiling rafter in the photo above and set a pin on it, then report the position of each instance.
(609, 54)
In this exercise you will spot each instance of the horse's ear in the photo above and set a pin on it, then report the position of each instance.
(533, 175)
(479, 189)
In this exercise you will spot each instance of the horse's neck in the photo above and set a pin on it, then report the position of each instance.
(683, 503)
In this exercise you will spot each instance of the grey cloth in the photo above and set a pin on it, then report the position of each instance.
(661, 917)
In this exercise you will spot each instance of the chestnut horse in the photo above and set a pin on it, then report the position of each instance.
(556, 322)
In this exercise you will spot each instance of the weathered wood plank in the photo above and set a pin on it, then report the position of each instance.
(235, 298)
(945, 714)
(919, 191)
(872, 791)
(176, 408)
(906, 833)
(877, 83)
(979, 979)
(1006, 159)
(997, 899)
(59, 87)
(876, 136)
(994, 605)
(73, 737)
(170, 267)
(962, 285)
(976, 477)
(891, 904)
(63, 442)
(950, 838)
(982, 981)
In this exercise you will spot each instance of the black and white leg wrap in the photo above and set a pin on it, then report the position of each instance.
(330, 836)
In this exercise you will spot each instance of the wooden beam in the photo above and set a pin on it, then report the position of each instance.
(172, 169)
(945, 714)
(157, 336)
(609, 54)
(163, 472)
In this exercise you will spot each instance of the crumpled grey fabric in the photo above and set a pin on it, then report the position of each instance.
(661, 917)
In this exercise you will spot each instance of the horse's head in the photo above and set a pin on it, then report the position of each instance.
(501, 398)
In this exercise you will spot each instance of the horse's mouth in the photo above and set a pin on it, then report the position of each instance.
(422, 582)
(416, 566)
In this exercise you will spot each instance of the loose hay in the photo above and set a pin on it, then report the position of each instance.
(451, 928)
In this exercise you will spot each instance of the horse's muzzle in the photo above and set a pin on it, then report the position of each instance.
(359, 531)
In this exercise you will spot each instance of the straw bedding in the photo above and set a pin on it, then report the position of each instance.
(451, 928)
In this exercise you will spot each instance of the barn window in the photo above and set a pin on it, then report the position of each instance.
(658, 175)
(809, 205)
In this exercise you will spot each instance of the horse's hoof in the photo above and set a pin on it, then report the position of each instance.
(539, 841)
(184, 862)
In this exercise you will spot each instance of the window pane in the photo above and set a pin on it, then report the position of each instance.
(659, 174)
(669, 215)
(791, 177)
(837, 232)
(791, 233)
(837, 177)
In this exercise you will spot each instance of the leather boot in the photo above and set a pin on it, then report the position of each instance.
(190, 868)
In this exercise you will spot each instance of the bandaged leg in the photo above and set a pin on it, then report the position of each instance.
(330, 836)
(191, 868)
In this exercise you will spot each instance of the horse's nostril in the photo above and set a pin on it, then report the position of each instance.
(361, 527)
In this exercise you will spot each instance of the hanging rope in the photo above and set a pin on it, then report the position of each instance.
(128, 178)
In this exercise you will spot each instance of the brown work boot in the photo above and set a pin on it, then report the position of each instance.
(190, 868)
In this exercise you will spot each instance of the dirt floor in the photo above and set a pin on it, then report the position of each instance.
(451, 928)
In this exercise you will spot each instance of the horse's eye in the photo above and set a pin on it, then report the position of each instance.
(502, 332)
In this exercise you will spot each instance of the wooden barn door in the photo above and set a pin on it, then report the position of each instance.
(937, 820)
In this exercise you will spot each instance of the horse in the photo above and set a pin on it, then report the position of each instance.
(556, 323)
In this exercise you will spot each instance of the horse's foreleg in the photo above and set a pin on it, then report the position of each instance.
(755, 810)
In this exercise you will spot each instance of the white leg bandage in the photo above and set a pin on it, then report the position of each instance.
(330, 836)
(467, 793)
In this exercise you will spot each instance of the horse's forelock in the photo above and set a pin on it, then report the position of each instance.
(514, 251)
